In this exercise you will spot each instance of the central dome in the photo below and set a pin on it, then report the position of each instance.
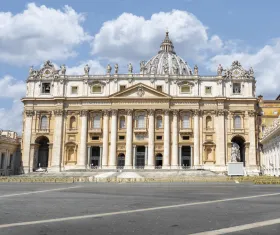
(166, 61)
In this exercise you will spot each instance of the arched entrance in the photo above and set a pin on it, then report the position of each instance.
(121, 161)
(140, 157)
(241, 142)
(158, 160)
(43, 152)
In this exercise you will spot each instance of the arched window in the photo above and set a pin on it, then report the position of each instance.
(122, 122)
(159, 122)
(208, 122)
(141, 121)
(237, 122)
(73, 124)
(96, 121)
(44, 123)
(186, 121)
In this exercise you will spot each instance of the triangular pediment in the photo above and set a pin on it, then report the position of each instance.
(140, 91)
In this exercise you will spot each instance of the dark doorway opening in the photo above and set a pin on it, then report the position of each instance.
(241, 142)
(121, 160)
(43, 152)
(158, 160)
(140, 156)
(95, 156)
(186, 156)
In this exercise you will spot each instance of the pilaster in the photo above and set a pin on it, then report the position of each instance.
(129, 137)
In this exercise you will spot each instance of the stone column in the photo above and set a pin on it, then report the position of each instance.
(89, 156)
(220, 138)
(166, 141)
(174, 157)
(27, 142)
(146, 155)
(180, 156)
(252, 139)
(196, 137)
(129, 138)
(100, 158)
(105, 138)
(57, 141)
(82, 158)
(134, 156)
(151, 143)
(113, 149)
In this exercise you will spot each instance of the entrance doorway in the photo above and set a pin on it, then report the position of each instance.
(241, 142)
(186, 156)
(159, 160)
(140, 157)
(43, 152)
(121, 161)
(95, 156)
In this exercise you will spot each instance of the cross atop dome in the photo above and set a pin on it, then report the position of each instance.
(167, 44)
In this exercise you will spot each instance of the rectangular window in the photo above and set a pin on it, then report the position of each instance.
(159, 88)
(122, 87)
(2, 161)
(95, 137)
(96, 89)
(159, 137)
(121, 137)
(46, 88)
(185, 89)
(208, 90)
(74, 90)
(186, 137)
(236, 88)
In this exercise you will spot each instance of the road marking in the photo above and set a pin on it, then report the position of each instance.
(41, 191)
(131, 211)
(239, 227)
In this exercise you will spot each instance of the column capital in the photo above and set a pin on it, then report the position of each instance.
(196, 112)
(221, 112)
(166, 111)
(114, 112)
(106, 112)
(29, 113)
(58, 112)
(151, 112)
(175, 112)
(129, 112)
(83, 112)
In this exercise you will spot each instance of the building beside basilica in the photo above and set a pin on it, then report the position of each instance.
(166, 116)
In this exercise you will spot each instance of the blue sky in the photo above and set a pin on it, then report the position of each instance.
(98, 32)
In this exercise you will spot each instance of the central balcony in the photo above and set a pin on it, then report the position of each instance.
(186, 131)
(95, 130)
(138, 130)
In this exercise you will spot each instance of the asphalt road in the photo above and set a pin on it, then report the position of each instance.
(142, 208)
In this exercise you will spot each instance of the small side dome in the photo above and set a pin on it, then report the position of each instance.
(166, 61)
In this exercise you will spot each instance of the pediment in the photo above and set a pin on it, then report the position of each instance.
(140, 91)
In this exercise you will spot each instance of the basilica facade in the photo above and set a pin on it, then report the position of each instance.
(167, 116)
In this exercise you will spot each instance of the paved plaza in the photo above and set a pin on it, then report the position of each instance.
(140, 208)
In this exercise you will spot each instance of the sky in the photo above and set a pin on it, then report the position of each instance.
(98, 32)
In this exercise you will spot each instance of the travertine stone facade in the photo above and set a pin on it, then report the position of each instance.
(10, 156)
(166, 116)
(270, 160)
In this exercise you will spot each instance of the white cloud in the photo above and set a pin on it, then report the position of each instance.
(11, 117)
(134, 38)
(265, 62)
(95, 68)
(40, 33)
